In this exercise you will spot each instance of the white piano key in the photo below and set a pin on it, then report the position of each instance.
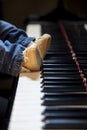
(85, 27)
(27, 107)
(24, 126)
(33, 30)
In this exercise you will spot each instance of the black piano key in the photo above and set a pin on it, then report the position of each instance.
(58, 52)
(52, 52)
(80, 48)
(82, 61)
(58, 60)
(62, 78)
(60, 82)
(63, 88)
(56, 48)
(57, 56)
(66, 123)
(46, 69)
(59, 73)
(63, 112)
(81, 53)
(83, 66)
(57, 68)
(54, 99)
(56, 45)
(55, 76)
(59, 65)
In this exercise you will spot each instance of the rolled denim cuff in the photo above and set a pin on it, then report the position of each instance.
(11, 58)
(26, 41)
(13, 61)
(16, 64)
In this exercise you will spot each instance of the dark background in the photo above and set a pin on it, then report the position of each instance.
(16, 11)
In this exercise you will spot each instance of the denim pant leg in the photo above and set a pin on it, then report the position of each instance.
(12, 44)
(13, 34)
(11, 58)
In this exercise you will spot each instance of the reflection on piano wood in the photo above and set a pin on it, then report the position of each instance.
(63, 84)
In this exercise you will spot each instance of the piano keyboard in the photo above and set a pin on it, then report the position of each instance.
(64, 79)
(55, 97)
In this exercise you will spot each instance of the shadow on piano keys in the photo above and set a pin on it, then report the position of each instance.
(8, 86)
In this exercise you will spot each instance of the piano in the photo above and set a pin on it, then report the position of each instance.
(54, 98)
(64, 81)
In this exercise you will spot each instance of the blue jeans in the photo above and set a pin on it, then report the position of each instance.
(13, 42)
